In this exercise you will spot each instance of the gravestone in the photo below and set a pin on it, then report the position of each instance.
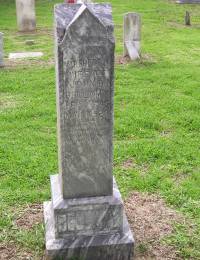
(26, 19)
(1, 50)
(85, 218)
(132, 35)
(187, 18)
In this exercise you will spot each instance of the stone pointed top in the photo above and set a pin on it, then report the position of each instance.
(81, 10)
(66, 13)
(83, 23)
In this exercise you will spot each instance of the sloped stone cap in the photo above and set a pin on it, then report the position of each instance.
(65, 13)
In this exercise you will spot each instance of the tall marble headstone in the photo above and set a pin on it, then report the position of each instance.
(26, 19)
(132, 35)
(85, 218)
(1, 50)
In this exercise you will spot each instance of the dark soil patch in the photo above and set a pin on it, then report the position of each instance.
(122, 60)
(149, 217)
(145, 59)
(128, 164)
(30, 216)
(11, 252)
(151, 221)
(131, 164)
(166, 133)
(7, 101)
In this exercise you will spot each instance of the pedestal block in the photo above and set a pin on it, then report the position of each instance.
(92, 228)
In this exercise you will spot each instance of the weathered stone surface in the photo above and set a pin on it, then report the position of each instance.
(25, 55)
(86, 228)
(85, 67)
(132, 35)
(98, 246)
(88, 216)
(85, 219)
(1, 50)
(26, 19)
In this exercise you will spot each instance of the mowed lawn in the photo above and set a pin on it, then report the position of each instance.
(157, 118)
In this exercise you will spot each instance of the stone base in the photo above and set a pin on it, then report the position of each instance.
(118, 246)
(131, 49)
(92, 228)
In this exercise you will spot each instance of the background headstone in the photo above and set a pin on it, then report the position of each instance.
(187, 18)
(26, 19)
(132, 35)
(1, 50)
(85, 218)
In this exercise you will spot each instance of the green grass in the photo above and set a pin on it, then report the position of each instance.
(157, 116)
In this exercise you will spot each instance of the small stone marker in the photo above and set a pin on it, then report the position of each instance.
(85, 219)
(29, 42)
(1, 50)
(26, 19)
(187, 18)
(25, 55)
(132, 35)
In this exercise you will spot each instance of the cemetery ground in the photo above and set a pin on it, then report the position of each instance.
(156, 134)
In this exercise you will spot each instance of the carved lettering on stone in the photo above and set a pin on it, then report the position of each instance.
(85, 106)
(92, 220)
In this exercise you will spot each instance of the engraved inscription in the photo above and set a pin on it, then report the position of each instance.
(71, 217)
(62, 223)
(85, 93)
(100, 219)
